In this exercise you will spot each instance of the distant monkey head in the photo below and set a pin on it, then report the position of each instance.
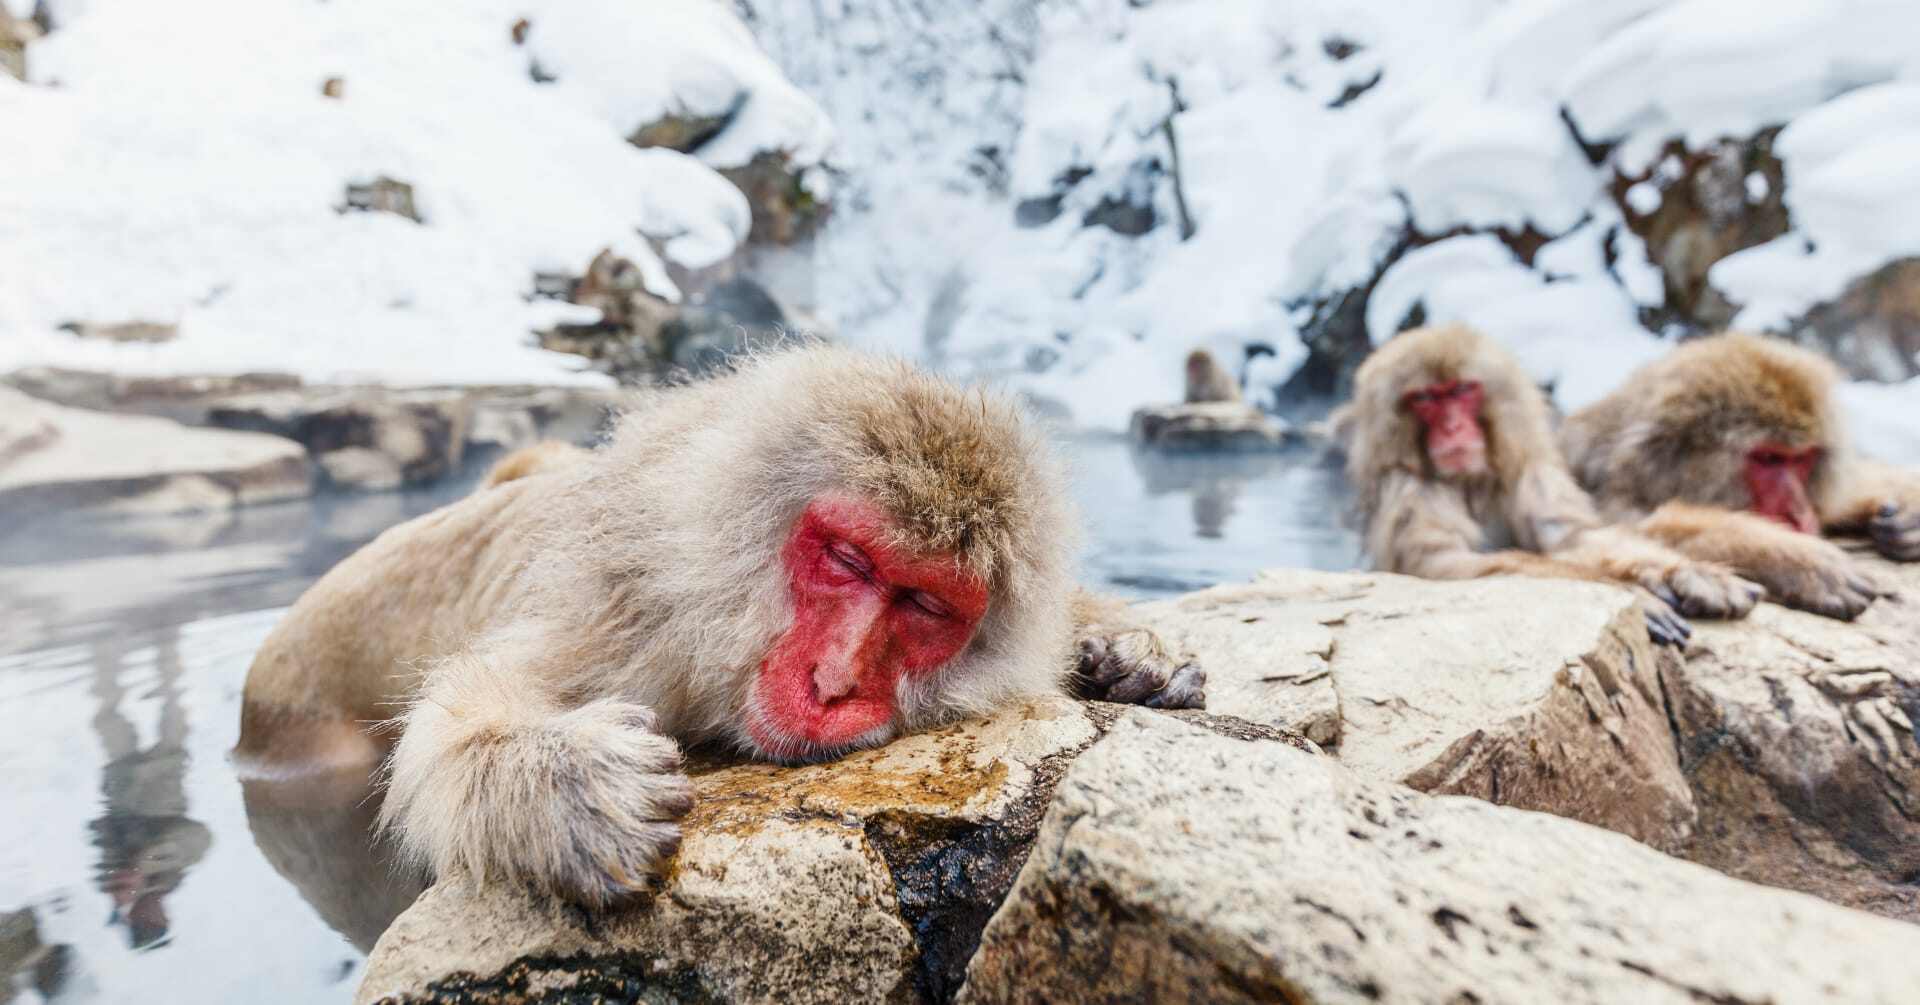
(1739, 421)
(1445, 403)
(1207, 380)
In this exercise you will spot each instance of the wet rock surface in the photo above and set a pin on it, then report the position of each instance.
(1178, 866)
(54, 458)
(1210, 425)
(866, 879)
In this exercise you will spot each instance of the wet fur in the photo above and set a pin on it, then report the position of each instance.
(542, 648)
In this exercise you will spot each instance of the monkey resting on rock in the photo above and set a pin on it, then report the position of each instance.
(813, 554)
(1731, 450)
(1451, 450)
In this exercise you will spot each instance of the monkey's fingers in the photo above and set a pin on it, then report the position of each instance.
(1132, 668)
(1187, 689)
(1896, 532)
(1703, 591)
(1665, 626)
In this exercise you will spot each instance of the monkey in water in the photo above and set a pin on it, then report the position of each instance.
(1451, 450)
(1207, 380)
(812, 554)
(1731, 450)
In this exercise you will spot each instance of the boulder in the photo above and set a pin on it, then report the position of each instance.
(150, 332)
(1872, 329)
(183, 398)
(865, 879)
(362, 438)
(381, 195)
(1174, 865)
(56, 458)
(786, 209)
(1540, 694)
(1210, 425)
(1797, 734)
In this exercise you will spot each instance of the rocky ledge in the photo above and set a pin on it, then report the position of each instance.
(1211, 426)
(1069, 851)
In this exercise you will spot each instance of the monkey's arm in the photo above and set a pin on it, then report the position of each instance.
(497, 776)
(1116, 659)
(1424, 529)
(1798, 570)
(1881, 501)
(1553, 514)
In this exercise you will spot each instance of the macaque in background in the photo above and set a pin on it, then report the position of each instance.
(810, 555)
(1731, 450)
(1207, 380)
(1450, 449)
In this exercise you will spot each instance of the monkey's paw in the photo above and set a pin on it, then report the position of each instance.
(1895, 530)
(1820, 578)
(1699, 590)
(617, 796)
(1133, 668)
(1665, 626)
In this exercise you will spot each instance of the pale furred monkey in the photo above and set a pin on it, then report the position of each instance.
(1207, 380)
(1732, 450)
(1451, 450)
(809, 555)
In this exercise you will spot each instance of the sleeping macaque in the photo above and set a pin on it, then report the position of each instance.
(1451, 451)
(810, 555)
(1207, 380)
(1730, 449)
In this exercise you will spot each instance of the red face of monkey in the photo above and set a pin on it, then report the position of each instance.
(1449, 413)
(1777, 479)
(864, 616)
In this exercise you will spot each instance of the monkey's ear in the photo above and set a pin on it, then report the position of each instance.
(1342, 424)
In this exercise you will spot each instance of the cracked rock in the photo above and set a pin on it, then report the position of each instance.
(1174, 865)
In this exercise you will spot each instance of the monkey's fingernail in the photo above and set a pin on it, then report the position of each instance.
(1889, 509)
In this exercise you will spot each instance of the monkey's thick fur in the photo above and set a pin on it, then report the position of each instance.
(1667, 448)
(1525, 515)
(1207, 380)
(545, 642)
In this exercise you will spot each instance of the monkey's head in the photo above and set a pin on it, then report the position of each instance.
(843, 548)
(1740, 421)
(1446, 403)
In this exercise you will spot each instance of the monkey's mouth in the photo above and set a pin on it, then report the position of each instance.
(788, 723)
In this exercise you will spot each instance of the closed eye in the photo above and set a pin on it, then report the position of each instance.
(851, 559)
(928, 604)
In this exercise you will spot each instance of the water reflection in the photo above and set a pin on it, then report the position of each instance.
(146, 840)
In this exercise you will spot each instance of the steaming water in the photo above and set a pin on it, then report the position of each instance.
(151, 873)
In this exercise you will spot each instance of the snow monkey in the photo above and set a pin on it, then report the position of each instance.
(1451, 450)
(1731, 449)
(809, 555)
(1207, 380)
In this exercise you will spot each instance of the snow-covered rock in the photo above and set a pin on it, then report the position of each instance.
(207, 193)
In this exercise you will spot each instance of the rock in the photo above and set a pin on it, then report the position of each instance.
(785, 209)
(1178, 866)
(1798, 739)
(25, 961)
(15, 34)
(382, 195)
(151, 332)
(686, 131)
(507, 418)
(397, 437)
(1209, 425)
(1695, 207)
(1544, 695)
(69, 458)
(182, 398)
(333, 87)
(864, 879)
(1873, 328)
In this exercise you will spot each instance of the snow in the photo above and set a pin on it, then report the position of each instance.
(204, 191)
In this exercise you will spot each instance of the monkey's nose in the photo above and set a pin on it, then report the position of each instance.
(830, 683)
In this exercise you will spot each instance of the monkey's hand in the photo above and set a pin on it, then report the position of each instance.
(1811, 574)
(1895, 530)
(1665, 626)
(1132, 667)
(582, 804)
(1705, 590)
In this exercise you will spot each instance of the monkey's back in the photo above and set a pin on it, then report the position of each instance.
(347, 652)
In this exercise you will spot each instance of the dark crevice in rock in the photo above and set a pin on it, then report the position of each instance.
(569, 980)
(1354, 90)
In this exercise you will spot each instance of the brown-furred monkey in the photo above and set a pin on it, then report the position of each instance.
(1730, 449)
(1207, 380)
(806, 556)
(1451, 450)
